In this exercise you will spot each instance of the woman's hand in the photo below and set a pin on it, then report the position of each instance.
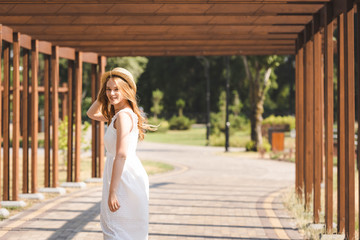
(113, 202)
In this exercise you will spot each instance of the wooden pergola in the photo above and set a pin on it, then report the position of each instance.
(89, 31)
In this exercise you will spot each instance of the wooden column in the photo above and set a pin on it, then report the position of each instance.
(64, 104)
(6, 123)
(25, 121)
(34, 112)
(297, 184)
(55, 113)
(94, 127)
(300, 113)
(78, 92)
(69, 176)
(102, 64)
(341, 129)
(358, 89)
(317, 133)
(1, 106)
(349, 63)
(309, 119)
(47, 121)
(16, 116)
(329, 111)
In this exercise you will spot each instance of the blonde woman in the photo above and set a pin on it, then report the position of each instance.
(124, 205)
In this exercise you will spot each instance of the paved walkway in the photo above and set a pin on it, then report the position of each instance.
(209, 196)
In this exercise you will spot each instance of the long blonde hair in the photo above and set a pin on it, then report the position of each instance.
(127, 87)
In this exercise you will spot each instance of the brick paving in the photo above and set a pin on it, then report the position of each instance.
(210, 195)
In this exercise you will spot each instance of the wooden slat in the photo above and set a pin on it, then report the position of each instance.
(66, 52)
(78, 91)
(25, 41)
(317, 89)
(349, 123)
(297, 184)
(16, 117)
(7, 34)
(94, 126)
(102, 64)
(300, 129)
(47, 120)
(1, 140)
(341, 128)
(90, 57)
(55, 114)
(358, 82)
(6, 122)
(64, 99)
(329, 111)
(25, 122)
(309, 123)
(45, 47)
(70, 130)
(34, 113)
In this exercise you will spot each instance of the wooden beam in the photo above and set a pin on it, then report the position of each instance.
(1, 45)
(358, 89)
(102, 64)
(6, 122)
(55, 114)
(34, 113)
(317, 158)
(25, 121)
(70, 159)
(25, 41)
(45, 47)
(16, 117)
(47, 121)
(329, 121)
(297, 184)
(90, 57)
(349, 62)
(78, 93)
(7, 34)
(67, 53)
(300, 113)
(94, 126)
(341, 128)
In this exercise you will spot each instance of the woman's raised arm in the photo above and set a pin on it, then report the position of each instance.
(94, 112)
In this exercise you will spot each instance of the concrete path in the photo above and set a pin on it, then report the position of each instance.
(210, 195)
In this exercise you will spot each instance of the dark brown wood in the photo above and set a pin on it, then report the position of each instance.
(6, 122)
(102, 64)
(34, 114)
(329, 121)
(0, 110)
(16, 117)
(358, 81)
(317, 157)
(300, 130)
(349, 63)
(78, 91)
(69, 175)
(55, 114)
(309, 123)
(25, 121)
(297, 184)
(341, 128)
(46, 120)
(64, 102)
(94, 126)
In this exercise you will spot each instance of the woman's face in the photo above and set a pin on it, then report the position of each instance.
(113, 92)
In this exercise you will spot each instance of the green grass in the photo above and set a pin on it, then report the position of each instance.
(194, 136)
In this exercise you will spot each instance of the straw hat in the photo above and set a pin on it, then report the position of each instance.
(122, 73)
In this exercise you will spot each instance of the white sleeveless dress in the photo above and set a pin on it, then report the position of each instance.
(130, 222)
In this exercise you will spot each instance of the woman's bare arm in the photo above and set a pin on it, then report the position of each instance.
(123, 126)
(94, 112)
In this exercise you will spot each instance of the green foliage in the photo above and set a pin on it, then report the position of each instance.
(157, 107)
(180, 123)
(180, 104)
(280, 120)
(136, 65)
(162, 124)
(219, 140)
(250, 146)
(237, 105)
(265, 146)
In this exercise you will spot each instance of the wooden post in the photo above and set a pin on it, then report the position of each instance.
(341, 129)
(358, 81)
(78, 92)
(6, 123)
(309, 119)
(64, 104)
(47, 121)
(0, 105)
(16, 116)
(300, 130)
(349, 62)
(94, 126)
(69, 176)
(34, 112)
(329, 111)
(25, 121)
(102, 64)
(55, 113)
(297, 184)
(317, 133)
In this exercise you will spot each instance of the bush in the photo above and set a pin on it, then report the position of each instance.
(280, 120)
(162, 124)
(219, 140)
(250, 146)
(266, 146)
(180, 123)
(217, 122)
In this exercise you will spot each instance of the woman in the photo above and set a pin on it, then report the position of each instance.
(124, 205)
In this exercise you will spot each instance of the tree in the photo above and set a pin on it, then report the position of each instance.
(237, 104)
(180, 104)
(157, 107)
(260, 74)
(136, 65)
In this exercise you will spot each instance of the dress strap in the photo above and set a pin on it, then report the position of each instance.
(133, 116)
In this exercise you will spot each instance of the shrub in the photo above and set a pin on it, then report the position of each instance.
(219, 140)
(162, 124)
(250, 146)
(180, 123)
(280, 120)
